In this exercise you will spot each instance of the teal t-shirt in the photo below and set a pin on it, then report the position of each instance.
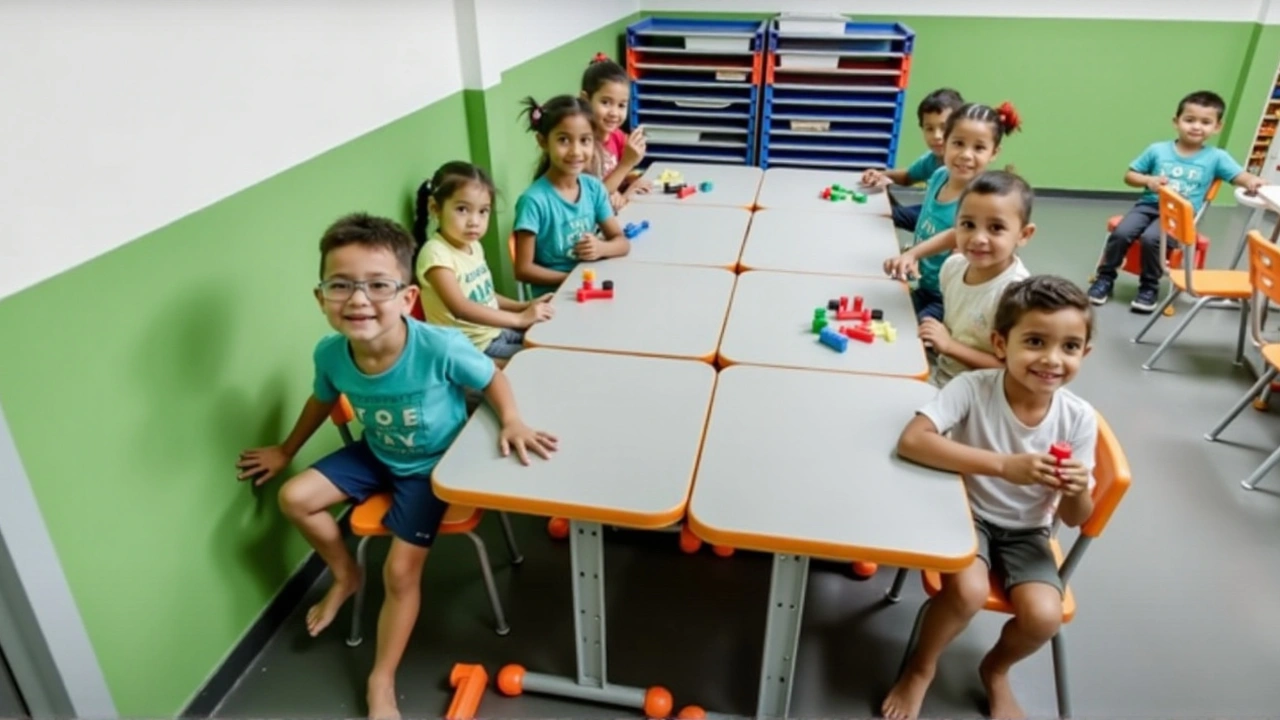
(558, 224)
(411, 412)
(935, 217)
(1189, 175)
(923, 168)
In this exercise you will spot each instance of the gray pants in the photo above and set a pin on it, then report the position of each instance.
(508, 343)
(1141, 223)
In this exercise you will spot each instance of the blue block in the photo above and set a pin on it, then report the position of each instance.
(632, 229)
(833, 339)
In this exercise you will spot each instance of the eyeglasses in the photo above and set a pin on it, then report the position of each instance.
(376, 290)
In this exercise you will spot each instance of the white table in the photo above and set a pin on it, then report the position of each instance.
(597, 405)
(801, 241)
(770, 323)
(793, 463)
(703, 235)
(733, 185)
(796, 189)
(666, 310)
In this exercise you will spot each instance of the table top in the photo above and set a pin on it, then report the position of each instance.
(626, 453)
(770, 323)
(799, 241)
(733, 185)
(1260, 200)
(673, 311)
(688, 235)
(793, 463)
(797, 189)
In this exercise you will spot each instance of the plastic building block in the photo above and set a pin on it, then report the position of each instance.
(877, 314)
(862, 333)
(685, 191)
(857, 303)
(819, 319)
(837, 193)
(863, 315)
(672, 188)
(469, 683)
(833, 305)
(1061, 451)
(588, 291)
(833, 339)
(706, 186)
(670, 176)
(632, 230)
(890, 334)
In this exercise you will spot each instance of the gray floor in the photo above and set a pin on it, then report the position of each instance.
(1178, 600)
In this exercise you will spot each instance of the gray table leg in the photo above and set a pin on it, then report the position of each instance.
(782, 634)
(586, 546)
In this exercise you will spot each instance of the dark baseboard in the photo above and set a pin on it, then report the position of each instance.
(255, 640)
(1129, 196)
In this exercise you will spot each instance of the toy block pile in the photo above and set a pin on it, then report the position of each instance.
(839, 193)
(673, 183)
(589, 291)
(870, 324)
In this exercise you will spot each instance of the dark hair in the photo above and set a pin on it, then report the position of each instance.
(1001, 183)
(940, 100)
(443, 184)
(601, 72)
(1203, 98)
(545, 118)
(371, 232)
(1043, 293)
(1003, 120)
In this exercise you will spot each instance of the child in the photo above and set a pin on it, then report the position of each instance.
(973, 134)
(557, 217)
(1188, 167)
(608, 90)
(457, 288)
(932, 113)
(993, 221)
(995, 427)
(405, 380)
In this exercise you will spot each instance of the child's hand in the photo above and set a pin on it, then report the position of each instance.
(873, 178)
(901, 267)
(935, 335)
(617, 201)
(1031, 469)
(589, 248)
(637, 144)
(641, 186)
(1072, 476)
(1254, 184)
(262, 464)
(1155, 183)
(522, 438)
(536, 311)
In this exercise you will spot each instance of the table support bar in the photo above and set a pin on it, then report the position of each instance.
(782, 634)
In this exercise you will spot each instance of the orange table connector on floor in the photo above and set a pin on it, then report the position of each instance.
(469, 683)
(589, 291)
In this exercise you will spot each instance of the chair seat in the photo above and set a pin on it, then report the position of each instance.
(1271, 354)
(366, 519)
(997, 601)
(1232, 284)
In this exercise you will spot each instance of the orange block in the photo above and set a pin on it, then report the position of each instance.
(469, 683)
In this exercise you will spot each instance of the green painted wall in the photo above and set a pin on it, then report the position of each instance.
(133, 381)
(1092, 93)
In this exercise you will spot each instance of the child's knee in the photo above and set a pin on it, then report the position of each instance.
(1038, 609)
(300, 494)
(402, 571)
(967, 590)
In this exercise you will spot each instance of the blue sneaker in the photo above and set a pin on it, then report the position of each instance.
(1100, 291)
(1146, 301)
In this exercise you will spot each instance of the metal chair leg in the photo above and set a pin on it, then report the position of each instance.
(510, 537)
(1191, 314)
(914, 637)
(1251, 482)
(482, 554)
(1157, 314)
(1244, 330)
(1255, 391)
(1060, 676)
(895, 592)
(357, 603)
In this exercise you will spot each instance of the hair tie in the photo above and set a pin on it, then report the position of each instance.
(536, 114)
(600, 57)
(1008, 116)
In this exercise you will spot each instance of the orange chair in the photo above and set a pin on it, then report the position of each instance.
(1112, 479)
(1178, 221)
(366, 523)
(1264, 279)
(522, 291)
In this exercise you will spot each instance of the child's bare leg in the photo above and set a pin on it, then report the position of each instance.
(305, 499)
(402, 576)
(962, 596)
(1037, 609)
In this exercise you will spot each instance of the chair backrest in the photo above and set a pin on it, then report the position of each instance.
(1264, 276)
(1177, 218)
(1111, 479)
(1212, 195)
(342, 414)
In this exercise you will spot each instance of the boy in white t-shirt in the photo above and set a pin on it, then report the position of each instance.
(996, 427)
(993, 220)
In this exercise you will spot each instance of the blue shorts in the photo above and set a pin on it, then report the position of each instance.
(906, 217)
(928, 304)
(508, 343)
(415, 512)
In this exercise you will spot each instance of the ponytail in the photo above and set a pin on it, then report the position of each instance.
(440, 187)
(1003, 120)
(600, 72)
(545, 118)
(422, 212)
(1009, 119)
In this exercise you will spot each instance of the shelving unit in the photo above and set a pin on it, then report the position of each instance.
(696, 88)
(1264, 155)
(833, 93)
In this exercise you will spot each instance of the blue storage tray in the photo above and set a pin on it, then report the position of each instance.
(673, 33)
(700, 153)
(868, 37)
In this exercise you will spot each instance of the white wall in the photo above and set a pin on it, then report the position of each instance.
(121, 116)
(513, 31)
(1235, 10)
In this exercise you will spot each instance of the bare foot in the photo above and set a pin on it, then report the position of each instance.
(907, 695)
(323, 612)
(382, 700)
(1004, 706)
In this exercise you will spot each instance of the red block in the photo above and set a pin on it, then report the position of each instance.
(858, 332)
(686, 191)
(857, 302)
(1061, 451)
(585, 294)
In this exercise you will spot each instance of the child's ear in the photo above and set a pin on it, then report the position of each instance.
(584, 96)
(1027, 231)
(542, 140)
(999, 346)
(433, 207)
(410, 295)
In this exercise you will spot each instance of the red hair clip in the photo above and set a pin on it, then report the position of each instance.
(1008, 116)
(600, 57)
